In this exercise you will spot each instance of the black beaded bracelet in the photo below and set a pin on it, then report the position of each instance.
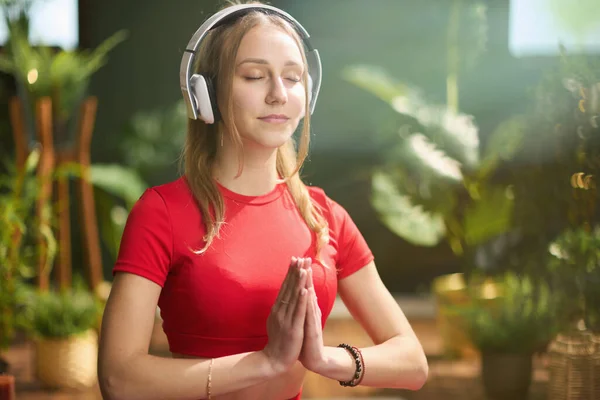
(354, 352)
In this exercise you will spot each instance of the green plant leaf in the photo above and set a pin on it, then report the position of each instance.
(488, 216)
(503, 144)
(375, 81)
(120, 181)
(405, 219)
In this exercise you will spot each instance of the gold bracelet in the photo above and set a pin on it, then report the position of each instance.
(209, 380)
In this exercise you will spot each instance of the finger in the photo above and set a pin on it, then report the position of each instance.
(318, 314)
(310, 311)
(309, 280)
(285, 284)
(312, 324)
(300, 313)
(289, 292)
(296, 295)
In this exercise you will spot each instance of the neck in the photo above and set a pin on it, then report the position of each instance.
(259, 170)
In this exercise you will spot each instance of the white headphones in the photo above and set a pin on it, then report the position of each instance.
(199, 91)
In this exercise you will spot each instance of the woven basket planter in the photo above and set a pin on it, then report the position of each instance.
(68, 363)
(596, 367)
(574, 367)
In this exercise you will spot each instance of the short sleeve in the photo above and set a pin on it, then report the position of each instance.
(147, 241)
(353, 250)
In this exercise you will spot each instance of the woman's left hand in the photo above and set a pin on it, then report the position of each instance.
(312, 355)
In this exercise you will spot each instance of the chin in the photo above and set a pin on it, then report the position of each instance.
(271, 139)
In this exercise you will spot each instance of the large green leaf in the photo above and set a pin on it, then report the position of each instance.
(503, 143)
(375, 81)
(405, 219)
(119, 181)
(454, 133)
(488, 216)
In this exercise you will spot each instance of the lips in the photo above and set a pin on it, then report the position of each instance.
(275, 118)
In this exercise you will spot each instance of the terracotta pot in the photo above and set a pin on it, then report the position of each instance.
(506, 376)
(68, 363)
(7, 387)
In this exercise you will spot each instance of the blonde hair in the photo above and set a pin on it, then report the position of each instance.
(217, 60)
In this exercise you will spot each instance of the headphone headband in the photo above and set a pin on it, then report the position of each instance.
(187, 62)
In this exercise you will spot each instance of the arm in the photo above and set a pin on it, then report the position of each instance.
(127, 371)
(397, 360)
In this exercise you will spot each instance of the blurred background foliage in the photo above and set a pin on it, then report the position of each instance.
(441, 143)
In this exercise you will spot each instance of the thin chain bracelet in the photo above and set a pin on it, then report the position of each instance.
(209, 380)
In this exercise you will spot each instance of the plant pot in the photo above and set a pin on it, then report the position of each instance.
(573, 367)
(506, 376)
(450, 291)
(7, 387)
(69, 363)
(596, 366)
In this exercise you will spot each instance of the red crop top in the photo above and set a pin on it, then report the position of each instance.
(216, 304)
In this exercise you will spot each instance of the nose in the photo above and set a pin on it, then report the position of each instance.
(277, 92)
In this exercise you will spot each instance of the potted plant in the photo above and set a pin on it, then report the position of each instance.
(21, 236)
(62, 324)
(575, 267)
(436, 183)
(45, 72)
(509, 331)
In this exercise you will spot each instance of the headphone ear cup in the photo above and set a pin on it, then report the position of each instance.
(201, 95)
(212, 94)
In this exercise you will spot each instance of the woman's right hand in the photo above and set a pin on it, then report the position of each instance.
(285, 324)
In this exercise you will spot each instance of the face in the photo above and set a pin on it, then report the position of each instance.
(268, 92)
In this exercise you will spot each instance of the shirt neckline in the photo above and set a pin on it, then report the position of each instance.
(268, 197)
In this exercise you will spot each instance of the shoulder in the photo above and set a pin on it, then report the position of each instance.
(335, 213)
(168, 196)
(173, 192)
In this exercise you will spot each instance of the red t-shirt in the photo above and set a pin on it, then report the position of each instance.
(216, 303)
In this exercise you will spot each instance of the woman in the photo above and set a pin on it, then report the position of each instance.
(244, 260)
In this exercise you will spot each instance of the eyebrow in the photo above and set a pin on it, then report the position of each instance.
(265, 62)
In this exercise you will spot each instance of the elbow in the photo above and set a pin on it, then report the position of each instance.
(421, 370)
(413, 370)
(112, 382)
(109, 387)
(420, 375)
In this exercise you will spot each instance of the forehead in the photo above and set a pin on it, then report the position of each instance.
(270, 43)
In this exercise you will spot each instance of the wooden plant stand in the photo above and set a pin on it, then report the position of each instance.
(50, 160)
